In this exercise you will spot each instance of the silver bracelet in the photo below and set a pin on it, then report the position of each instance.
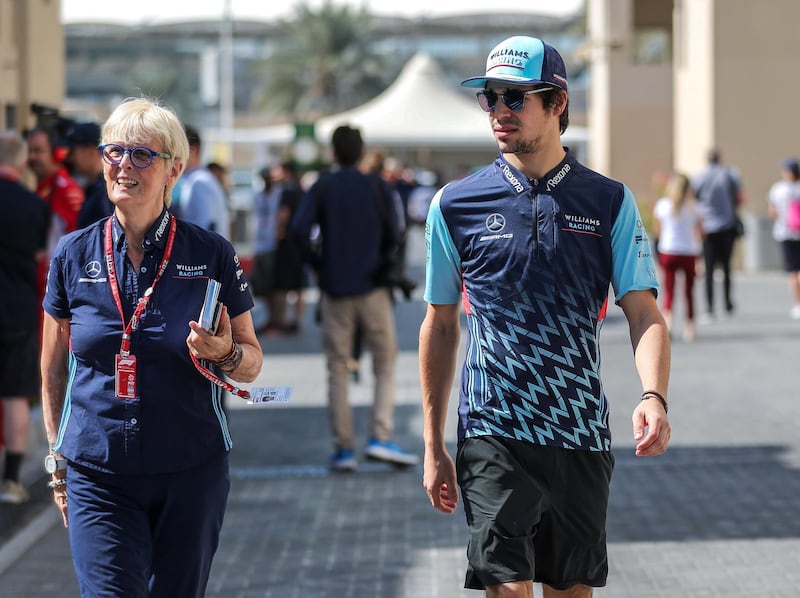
(234, 361)
(53, 484)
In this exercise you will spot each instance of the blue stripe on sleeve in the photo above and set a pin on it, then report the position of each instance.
(443, 263)
(634, 266)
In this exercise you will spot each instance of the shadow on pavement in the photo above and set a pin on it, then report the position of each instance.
(15, 517)
(408, 317)
(704, 493)
(297, 530)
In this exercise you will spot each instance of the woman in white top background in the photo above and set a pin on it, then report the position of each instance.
(784, 209)
(677, 225)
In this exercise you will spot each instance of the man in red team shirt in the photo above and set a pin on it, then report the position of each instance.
(54, 184)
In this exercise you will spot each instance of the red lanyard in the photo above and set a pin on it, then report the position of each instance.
(128, 329)
(217, 380)
(125, 348)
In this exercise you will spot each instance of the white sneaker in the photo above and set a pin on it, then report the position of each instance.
(389, 452)
(705, 319)
(13, 492)
(795, 313)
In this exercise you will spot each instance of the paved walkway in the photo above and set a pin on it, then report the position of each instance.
(716, 516)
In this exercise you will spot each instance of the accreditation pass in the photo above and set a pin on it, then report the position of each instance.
(269, 394)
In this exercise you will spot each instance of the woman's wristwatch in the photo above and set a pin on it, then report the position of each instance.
(54, 463)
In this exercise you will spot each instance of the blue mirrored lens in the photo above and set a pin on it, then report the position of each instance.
(513, 98)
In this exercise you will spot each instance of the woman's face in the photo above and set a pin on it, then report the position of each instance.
(132, 184)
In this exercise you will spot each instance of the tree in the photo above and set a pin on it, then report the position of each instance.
(324, 65)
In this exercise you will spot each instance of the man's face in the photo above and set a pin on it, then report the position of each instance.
(40, 155)
(523, 131)
(194, 156)
(85, 160)
(278, 174)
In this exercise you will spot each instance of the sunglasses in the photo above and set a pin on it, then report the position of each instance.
(513, 98)
(141, 157)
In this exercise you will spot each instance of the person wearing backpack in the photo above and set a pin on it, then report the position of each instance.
(784, 209)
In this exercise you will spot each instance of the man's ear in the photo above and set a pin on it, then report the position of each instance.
(560, 106)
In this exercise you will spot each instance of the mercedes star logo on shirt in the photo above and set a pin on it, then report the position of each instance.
(495, 222)
(93, 269)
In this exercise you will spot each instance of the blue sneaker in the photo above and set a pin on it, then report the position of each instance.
(343, 460)
(389, 452)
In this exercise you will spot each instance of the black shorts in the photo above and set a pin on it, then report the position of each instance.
(791, 255)
(19, 364)
(534, 513)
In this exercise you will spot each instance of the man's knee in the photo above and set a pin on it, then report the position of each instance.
(576, 591)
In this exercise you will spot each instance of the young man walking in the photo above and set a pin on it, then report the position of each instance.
(529, 246)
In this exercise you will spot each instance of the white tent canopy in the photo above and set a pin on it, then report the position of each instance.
(418, 110)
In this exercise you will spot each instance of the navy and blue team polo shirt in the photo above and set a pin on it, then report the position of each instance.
(176, 422)
(532, 261)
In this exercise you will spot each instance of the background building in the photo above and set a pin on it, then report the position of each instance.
(666, 79)
(31, 60)
(183, 63)
(672, 79)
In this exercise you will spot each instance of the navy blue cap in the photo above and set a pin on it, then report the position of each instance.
(792, 165)
(84, 134)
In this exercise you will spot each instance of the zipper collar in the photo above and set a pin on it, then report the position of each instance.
(515, 180)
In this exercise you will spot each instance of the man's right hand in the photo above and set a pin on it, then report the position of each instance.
(439, 480)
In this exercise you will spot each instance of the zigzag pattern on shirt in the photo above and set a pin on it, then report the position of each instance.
(541, 365)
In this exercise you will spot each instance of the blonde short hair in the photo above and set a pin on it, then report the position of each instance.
(136, 119)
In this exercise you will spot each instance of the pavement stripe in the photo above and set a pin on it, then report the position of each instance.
(28, 536)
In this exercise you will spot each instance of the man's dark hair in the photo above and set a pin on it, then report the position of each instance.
(714, 156)
(347, 145)
(289, 166)
(193, 135)
(551, 99)
(50, 134)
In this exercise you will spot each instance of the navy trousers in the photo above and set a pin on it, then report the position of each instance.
(146, 536)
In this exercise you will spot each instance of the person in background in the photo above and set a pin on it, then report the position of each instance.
(290, 268)
(132, 386)
(529, 245)
(266, 206)
(357, 221)
(420, 199)
(86, 165)
(54, 184)
(719, 194)
(678, 228)
(23, 240)
(784, 209)
(220, 173)
(203, 201)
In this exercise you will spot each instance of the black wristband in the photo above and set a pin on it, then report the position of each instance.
(654, 394)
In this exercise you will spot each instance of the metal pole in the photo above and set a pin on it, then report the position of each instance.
(23, 108)
(226, 81)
